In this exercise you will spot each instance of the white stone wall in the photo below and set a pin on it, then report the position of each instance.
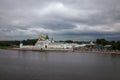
(56, 46)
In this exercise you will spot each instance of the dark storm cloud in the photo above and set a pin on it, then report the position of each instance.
(90, 19)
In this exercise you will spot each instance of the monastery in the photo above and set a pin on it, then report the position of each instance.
(44, 43)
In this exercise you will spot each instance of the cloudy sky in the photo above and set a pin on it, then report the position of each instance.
(61, 19)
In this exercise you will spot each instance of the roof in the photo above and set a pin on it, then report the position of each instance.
(47, 38)
(108, 46)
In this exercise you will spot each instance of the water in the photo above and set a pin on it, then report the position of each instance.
(28, 65)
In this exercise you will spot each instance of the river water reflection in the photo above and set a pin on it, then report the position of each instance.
(29, 65)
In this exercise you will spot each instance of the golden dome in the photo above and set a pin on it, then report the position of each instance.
(42, 37)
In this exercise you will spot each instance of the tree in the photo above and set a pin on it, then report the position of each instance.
(69, 41)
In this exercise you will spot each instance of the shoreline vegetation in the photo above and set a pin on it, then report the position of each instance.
(8, 47)
(114, 49)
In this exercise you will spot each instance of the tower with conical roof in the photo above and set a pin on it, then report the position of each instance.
(47, 37)
(52, 41)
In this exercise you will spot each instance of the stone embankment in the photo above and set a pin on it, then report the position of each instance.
(71, 50)
(41, 49)
(101, 52)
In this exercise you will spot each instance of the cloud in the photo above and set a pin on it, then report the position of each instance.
(62, 19)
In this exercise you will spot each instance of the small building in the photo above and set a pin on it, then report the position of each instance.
(107, 47)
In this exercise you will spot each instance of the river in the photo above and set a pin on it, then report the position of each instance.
(35, 65)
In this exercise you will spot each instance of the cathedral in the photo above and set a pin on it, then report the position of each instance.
(45, 42)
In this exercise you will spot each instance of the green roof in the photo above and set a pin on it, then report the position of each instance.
(47, 38)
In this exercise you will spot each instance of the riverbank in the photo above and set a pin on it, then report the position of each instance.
(70, 50)
(99, 52)
(38, 49)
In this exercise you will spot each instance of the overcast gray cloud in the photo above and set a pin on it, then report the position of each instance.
(62, 19)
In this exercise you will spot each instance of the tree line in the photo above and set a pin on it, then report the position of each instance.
(115, 44)
(17, 42)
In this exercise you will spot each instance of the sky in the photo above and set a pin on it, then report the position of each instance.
(60, 19)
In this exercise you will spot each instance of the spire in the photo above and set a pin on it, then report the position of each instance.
(52, 39)
(47, 38)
